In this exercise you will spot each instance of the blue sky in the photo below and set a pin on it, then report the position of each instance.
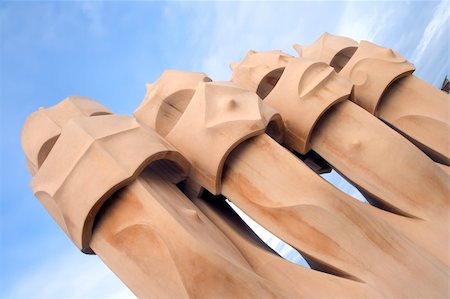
(108, 51)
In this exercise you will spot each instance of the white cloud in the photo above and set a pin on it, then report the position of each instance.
(434, 30)
(223, 35)
(51, 25)
(417, 30)
(93, 12)
(238, 27)
(364, 22)
(71, 275)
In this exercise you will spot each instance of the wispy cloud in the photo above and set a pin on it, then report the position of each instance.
(418, 30)
(237, 27)
(93, 12)
(365, 21)
(51, 25)
(246, 28)
(438, 25)
(71, 275)
(51, 49)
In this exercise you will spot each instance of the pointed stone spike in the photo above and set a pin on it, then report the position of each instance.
(299, 49)
(331, 49)
(233, 65)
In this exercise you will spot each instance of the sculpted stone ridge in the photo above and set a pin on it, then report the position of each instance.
(211, 123)
(255, 66)
(303, 93)
(326, 47)
(93, 158)
(171, 84)
(37, 143)
(154, 224)
(372, 69)
(295, 87)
